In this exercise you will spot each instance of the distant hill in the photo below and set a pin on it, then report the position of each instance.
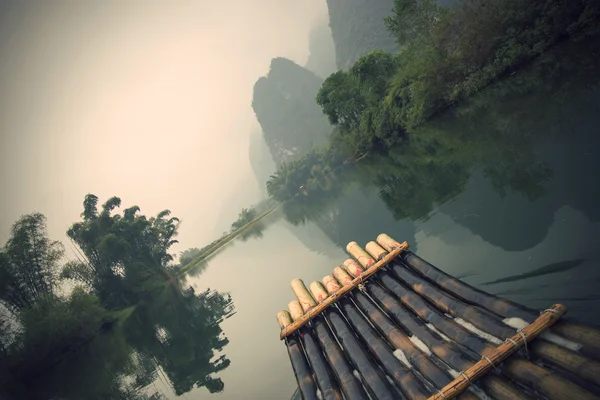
(285, 106)
(357, 28)
(261, 161)
(321, 59)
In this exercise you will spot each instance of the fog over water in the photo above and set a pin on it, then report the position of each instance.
(148, 101)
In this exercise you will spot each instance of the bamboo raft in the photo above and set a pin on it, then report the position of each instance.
(386, 324)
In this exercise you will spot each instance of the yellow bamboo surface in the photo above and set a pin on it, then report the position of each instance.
(342, 276)
(502, 352)
(352, 267)
(302, 294)
(357, 252)
(284, 319)
(318, 291)
(387, 242)
(316, 310)
(295, 309)
(375, 250)
(330, 284)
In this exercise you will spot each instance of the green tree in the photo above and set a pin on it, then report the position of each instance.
(245, 216)
(342, 101)
(28, 263)
(187, 256)
(125, 255)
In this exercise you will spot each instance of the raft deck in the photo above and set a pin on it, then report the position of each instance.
(387, 324)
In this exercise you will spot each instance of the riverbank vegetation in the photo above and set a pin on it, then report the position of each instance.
(447, 55)
(120, 282)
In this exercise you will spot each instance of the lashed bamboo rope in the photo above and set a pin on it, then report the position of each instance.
(402, 377)
(373, 378)
(588, 337)
(316, 310)
(322, 372)
(446, 352)
(553, 386)
(349, 384)
(302, 371)
(542, 380)
(530, 332)
(567, 360)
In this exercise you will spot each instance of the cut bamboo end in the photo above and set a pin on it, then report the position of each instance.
(318, 291)
(316, 310)
(352, 267)
(295, 310)
(331, 285)
(342, 276)
(501, 353)
(284, 319)
(361, 256)
(387, 242)
(376, 250)
(302, 294)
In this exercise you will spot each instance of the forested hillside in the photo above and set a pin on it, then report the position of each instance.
(357, 28)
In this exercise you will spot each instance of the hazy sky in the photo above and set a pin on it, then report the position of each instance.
(146, 100)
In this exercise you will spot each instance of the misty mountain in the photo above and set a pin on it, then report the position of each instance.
(321, 59)
(261, 161)
(357, 28)
(284, 103)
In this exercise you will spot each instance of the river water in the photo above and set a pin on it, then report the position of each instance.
(502, 192)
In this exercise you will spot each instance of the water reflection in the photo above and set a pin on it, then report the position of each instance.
(175, 338)
(496, 166)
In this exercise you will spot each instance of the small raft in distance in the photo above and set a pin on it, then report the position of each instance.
(387, 324)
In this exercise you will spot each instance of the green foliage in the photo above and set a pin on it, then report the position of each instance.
(125, 256)
(245, 216)
(28, 263)
(185, 257)
(448, 55)
(181, 335)
(54, 326)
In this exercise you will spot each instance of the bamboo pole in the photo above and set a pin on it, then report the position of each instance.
(443, 301)
(545, 382)
(549, 353)
(349, 384)
(373, 378)
(302, 371)
(324, 379)
(375, 250)
(402, 377)
(318, 291)
(409, 323)
(570, 361)
(472, 342)
(445, 351)
(330, 284)
(352, 267)
(427, 312)
(357, 252)
(316, 310)
(588, 337)
(302, 294)
(450, 305)
(543, 322)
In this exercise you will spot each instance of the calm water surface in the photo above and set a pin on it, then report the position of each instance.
(503, 193)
